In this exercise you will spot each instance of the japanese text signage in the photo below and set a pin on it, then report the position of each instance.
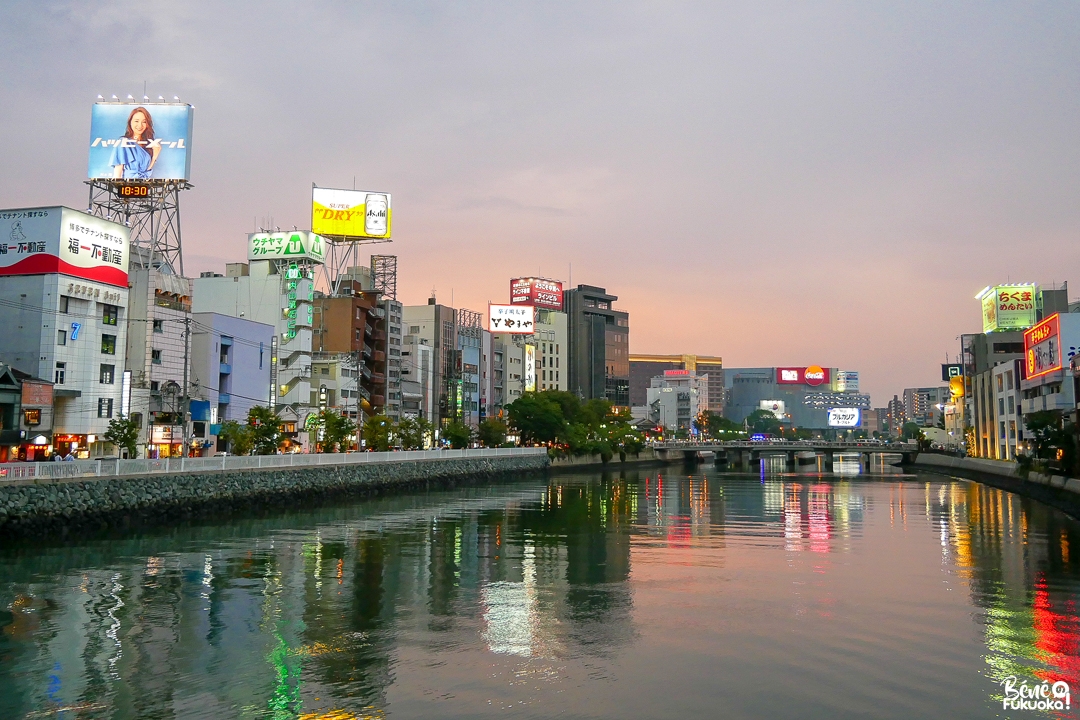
(286, 246)
(1008, 307)
(537, 292)
(346, 214)
(512, 319)
(530, 368)
(813, 375)
(1042, 348)
(844, 417)
(37, 241)
(151, 141)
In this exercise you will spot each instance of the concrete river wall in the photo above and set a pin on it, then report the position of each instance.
(1054, 490)
(37, 505)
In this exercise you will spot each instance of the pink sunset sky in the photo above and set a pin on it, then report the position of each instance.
(777, 183)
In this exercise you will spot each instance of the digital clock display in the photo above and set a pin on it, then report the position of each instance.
(126, 190)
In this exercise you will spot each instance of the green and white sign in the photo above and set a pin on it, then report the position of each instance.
(286, 246)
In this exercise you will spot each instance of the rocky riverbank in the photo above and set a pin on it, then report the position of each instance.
(57, 509)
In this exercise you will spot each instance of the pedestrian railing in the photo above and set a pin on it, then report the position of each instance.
(11, 472)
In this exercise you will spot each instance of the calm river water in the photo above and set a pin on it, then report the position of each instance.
(651, 594)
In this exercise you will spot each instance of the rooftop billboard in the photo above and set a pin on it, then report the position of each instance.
(1008, 307)
(39, 241)
(844, 417)
(537, 292)
(355, 214)
(151, 141)
(292, 245)
(511, 319)
(812, 375)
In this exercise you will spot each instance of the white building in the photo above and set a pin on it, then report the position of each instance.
(275, 287)
(676, 398)
(418, 397)
(551, 350)
(64, 286)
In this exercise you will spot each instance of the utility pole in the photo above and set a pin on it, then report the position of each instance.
(185, 400)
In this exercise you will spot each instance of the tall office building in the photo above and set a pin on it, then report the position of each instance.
(599, 340)
(436, 326)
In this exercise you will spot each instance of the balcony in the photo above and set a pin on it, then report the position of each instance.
(367, 350)
(378, 400)
(379, 356)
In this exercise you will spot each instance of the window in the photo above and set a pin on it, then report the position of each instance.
(104, 407)
(108, 344)
(413, 329)
(159, 326)
(260, 356)
(1012, 405)
(61, 337)
(1008, 379)
(64, 303)
(61, 373)
(155, 357)
(1002, 423)
(325, 371)
(108, 372)
(154, 385)
(1001, 383)
(109, 314)
(1001, 406)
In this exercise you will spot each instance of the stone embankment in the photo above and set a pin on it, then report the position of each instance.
(1054, 490)
(55, 509)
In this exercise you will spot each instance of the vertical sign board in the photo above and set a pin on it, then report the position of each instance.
(1042, 348)
(530, 368)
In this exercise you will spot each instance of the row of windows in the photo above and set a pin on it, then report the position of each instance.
(110, 314)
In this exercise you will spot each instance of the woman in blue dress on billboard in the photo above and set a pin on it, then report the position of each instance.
(134, 154)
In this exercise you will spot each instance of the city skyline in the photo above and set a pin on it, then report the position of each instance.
(827, 185)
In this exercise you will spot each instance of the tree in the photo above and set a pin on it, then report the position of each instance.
(910, 431)
(458, 434)
(238, 438)
(538, 417)
(413, 433)
(763, 421)
(1053, 440)
(716, 425)
(336, 431)
(492, 433)
(376, 432)
(265, 429)
(123, 432)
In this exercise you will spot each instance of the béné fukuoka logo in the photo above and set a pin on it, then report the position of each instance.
(1043, 696)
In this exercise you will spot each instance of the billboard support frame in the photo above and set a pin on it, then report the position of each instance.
(154, 219)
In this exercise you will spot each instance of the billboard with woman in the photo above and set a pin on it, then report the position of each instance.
(140, 142)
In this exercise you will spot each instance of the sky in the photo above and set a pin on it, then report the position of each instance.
(824, 183)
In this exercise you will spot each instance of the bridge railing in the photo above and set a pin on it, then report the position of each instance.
(72, 470)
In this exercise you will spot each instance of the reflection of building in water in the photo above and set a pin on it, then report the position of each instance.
(1021, 578)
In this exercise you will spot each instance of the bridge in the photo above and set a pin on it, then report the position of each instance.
(744, 452)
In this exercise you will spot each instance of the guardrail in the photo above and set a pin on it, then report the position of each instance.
(11, 472)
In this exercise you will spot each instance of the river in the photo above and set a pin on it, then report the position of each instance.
(670, 593)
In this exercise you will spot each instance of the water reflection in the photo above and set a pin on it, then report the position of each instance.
(634, 595)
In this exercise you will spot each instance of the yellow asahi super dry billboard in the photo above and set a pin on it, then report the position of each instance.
(345, 214)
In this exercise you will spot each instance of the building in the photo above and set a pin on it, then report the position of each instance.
(230, 367)
(925, 405)
(26, 416)
(875, 420)
(643, 368)
(466, 392)
(552, 350)
(804, 395)
(275, 287)
(419, 398)
(395, 335)
(675, 399)
(599, 345)
(1047, 384)
(895, 415)
(158, 349)
(64, 284)
(436, 326)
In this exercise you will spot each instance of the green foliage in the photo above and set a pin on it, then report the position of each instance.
(1053, 440)
(717, 426)
(376, 432)
(265, 426)
(538, 417)
(123, 432)
(413, 433)
(763, 421)
(337, 431)
(239, 438)
(492, 433)
(458, 434)
(910, 431)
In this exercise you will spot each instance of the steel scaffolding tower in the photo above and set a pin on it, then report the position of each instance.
(384, 275)
(154, 217)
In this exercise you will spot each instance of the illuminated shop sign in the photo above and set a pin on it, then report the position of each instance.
(812, 375)
(513, 319)
(844, 417)
(537, 292)
(1042, 348)
(1008, 307)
